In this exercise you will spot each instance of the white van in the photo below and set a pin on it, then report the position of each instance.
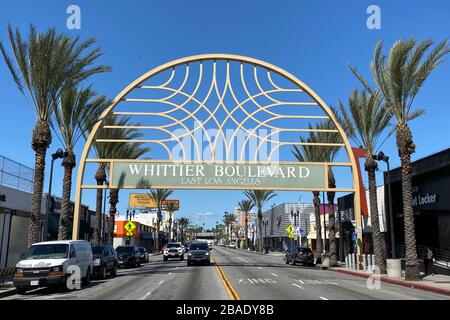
(52, 262)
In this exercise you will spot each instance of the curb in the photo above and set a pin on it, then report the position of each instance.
(7, 293)
(403, 283)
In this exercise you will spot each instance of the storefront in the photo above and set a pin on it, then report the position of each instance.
(431, 202)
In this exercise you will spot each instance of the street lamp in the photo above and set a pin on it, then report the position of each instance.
(265, 223)
(59, 154)
(382, 157)
(295, 215)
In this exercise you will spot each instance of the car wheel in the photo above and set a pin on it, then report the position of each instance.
(164, 258)
(181, 258)
(189, 263)
(87, 279)
(103, 272)
(114, 271)
(21, 290)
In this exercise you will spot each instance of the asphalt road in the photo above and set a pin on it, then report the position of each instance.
(237, 274)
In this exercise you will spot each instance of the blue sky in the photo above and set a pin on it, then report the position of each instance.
(313, 40)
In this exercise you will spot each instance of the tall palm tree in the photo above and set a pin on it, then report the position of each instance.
(399, 77)
(309, 153)
(259, 199)
(159, 196)
(107, 151)
(41, 67)
(171, 208)
(246, 206)
(122, 151)
(367, 121)
(325, 132)
(72, 116)
(184, 223)
(228, 220)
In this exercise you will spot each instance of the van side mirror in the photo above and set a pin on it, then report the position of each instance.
(210, 248)
(72, 255)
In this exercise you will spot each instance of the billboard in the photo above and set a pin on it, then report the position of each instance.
(144, 200)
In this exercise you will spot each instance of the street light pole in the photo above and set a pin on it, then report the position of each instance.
(382, 157)
(59, 154)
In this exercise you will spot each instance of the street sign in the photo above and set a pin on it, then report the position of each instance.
(144, 200)
(130, 226)
(289, 231)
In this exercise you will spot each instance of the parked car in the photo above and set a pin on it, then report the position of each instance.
(173, 250)
(199, 253)
(105, 261)
(50, 263)
(303, 255)
(128, 256)
(145, 257)
(186, 247)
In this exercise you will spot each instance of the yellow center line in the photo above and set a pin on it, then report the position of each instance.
(228, 286)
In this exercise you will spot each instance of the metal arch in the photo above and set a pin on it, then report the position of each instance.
(198, 58)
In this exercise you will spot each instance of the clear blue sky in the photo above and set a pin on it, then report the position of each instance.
(314, 40)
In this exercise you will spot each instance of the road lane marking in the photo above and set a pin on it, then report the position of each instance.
(259, 268)
(170, 273)
(296, 285)
(274, 274)
(161, 282)
(227, 284)
(143, 298)
(243, 260)
(323, 298)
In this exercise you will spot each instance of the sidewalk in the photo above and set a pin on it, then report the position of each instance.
(433, 283)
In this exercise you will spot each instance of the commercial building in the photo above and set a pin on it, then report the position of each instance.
(431, 203)
(278, 218)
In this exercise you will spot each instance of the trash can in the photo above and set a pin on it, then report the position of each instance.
(394, 268)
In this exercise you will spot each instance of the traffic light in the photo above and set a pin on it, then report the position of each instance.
(3, 197)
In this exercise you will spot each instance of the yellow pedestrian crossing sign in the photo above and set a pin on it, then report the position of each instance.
(130, 226)
(289, 231)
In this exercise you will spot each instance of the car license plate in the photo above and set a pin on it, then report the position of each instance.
(34, 283)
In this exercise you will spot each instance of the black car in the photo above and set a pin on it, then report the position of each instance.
(303, 255)
(105, 261)
(144, 255)
(128, 256)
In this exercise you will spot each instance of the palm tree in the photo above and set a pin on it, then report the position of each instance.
(183, 222)
(77, 110)
(106, 151)
(228, 220)
(246, 206)
(309, 153)
(171, 208)
(324, 132)
(159, 196)
(259, 198)
(399, 78)
(122, 151)
(41, 67)
(367, 121)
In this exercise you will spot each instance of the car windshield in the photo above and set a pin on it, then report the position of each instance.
(121, 250)
(173, 245)
(48, 251)
(198, 246)
(96, 250)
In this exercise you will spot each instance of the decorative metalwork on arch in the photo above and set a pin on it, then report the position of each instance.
(219, 108)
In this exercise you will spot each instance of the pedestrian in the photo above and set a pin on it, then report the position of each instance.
(428, 260)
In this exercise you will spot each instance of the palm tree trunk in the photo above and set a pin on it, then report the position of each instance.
(68, 163)
(371, 166)
(260, 242)
(331, 218)
(406, 147)
(319, 244)
(113, 200)
(246, 231)
(158, 224)
(170, 225)
(40, 141)
(100, 177)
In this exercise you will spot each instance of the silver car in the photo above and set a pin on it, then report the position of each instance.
(199, 253)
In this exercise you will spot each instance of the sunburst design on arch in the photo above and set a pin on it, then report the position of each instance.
(221, 92)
